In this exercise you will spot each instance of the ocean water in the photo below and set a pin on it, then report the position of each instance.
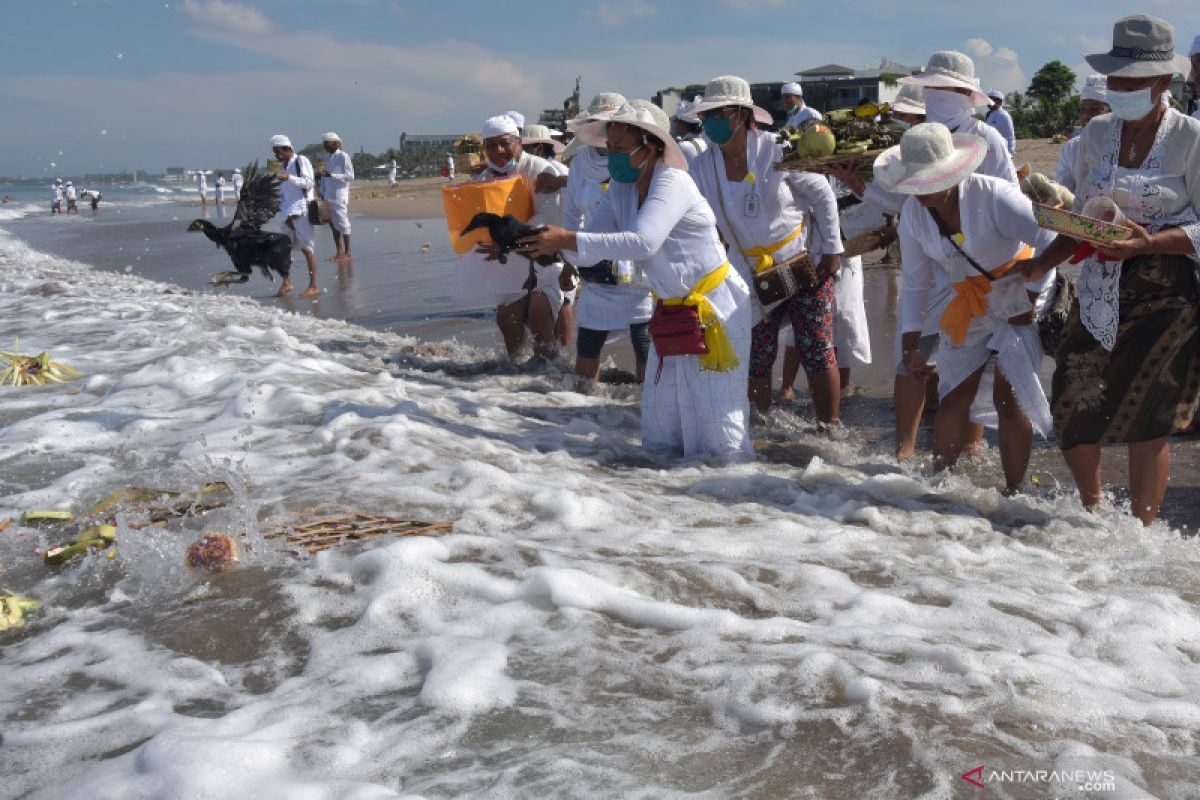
(821, 623)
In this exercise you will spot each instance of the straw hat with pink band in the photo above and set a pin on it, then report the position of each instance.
(730, 90)
(949, 69)
(929, 159)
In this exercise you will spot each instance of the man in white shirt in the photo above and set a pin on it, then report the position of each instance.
(219, 189)
(793, 101)
(56, 203)
(71, 198)
(449, 167)
(336, 178)
(391, 173)
(999, 118)
(202, 186)
(295, 185)
(237, 180)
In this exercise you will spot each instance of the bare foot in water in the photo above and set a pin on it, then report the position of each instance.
(285, 289)
(341, 257)
(309, 292)
(787, 394)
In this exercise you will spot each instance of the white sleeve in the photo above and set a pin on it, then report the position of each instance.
(916, 272)
(347, 173)
(665, 206)
(304, 173)
(572, 209)
(815, 196)
(1064, 173)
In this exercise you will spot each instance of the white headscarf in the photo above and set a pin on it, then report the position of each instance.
(502, 125)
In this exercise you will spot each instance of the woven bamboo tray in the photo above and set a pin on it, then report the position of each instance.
(333, 529)
(861, 162)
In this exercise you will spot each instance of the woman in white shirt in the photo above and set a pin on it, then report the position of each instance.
(1128, 367)
(654, 216)
(973, 230)
(770, 217)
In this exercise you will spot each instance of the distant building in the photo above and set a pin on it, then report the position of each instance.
(833, 86)
(174, 175)
(425, 141)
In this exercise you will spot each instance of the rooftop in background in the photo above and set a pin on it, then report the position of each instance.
(834, 72)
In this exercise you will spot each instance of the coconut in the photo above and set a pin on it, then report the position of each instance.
(817, 141)
(213, 552)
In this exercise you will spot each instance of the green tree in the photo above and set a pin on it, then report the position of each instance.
(1052, 84)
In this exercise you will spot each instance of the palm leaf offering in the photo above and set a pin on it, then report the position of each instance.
(330, 530)
(13, 608)
(33, 370)
(838, 141)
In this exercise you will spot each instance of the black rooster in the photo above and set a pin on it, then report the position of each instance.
(506, 231)
(246, 244)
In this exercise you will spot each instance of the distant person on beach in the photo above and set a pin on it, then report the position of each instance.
(71, 197)
(93, 196)
(202, 186)
(999, 118)
(237, 179)
(538, 310)
(219, 189)
(614, 297)
(793, 102)
(57, 197)
(450, 166)
(771, 217)
(296, 186)
(686, 129)
(391, 173)
(336, 177)
(1093, 101)
(652, 214)
(5, 200)
(1128, 366)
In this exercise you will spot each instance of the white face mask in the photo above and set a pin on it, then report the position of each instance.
(946, 107)
(1131, 106)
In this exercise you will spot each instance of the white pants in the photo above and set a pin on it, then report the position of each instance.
(301, 231)
(339, 217)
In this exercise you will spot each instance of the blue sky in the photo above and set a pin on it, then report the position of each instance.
(93, 85)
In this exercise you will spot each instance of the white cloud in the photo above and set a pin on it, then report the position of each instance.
(996, 67)
(231, 17)
(614, 15)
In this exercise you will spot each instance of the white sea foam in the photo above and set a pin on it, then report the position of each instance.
(599, 623)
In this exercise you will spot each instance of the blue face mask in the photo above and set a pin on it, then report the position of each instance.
(503, 169)
(718, 129)
(621, 170)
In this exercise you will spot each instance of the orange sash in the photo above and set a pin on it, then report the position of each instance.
(971, 298)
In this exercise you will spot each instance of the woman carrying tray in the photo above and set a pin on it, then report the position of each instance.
(769, 217)
(1128, 368)
(974, 230)
(654, 216)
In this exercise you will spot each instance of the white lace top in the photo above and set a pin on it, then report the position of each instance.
(1163, 192)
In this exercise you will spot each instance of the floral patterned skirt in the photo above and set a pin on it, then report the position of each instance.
(1149, 385)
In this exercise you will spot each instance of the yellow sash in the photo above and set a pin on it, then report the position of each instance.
(720, 356)
(763, 260)
(971, 298)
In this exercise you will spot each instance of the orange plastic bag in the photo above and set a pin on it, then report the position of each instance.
(463, 201)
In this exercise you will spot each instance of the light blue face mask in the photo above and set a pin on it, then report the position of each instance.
(718, 129)
(1131, 106)
(505, 168)
(621, 169)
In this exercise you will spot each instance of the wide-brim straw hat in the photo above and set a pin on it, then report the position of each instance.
(540, 134)
(910, 99)
(730, 90)
(950, 69)
(929, 159)
(1143, 47)
(603, 103)
(595, 133)
(686, 111)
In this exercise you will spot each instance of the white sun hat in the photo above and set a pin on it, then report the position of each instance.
(686, 111)
(792, 88)
(517, 117)
(730, 90)
(1095, 87)
(238, 170)
(660, 117)
(279, 140)
(996, 94)
(540, 134)
(331, 137)
(949, 69)
(929, 159)
(595, 132)
(910, 99)
(502, 125)
(1143, 47)
(603, 103)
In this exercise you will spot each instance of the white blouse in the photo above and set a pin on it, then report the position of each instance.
(585, 191)
(782, 201)
(672, 237)
(997, 222)
(1163, 192)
